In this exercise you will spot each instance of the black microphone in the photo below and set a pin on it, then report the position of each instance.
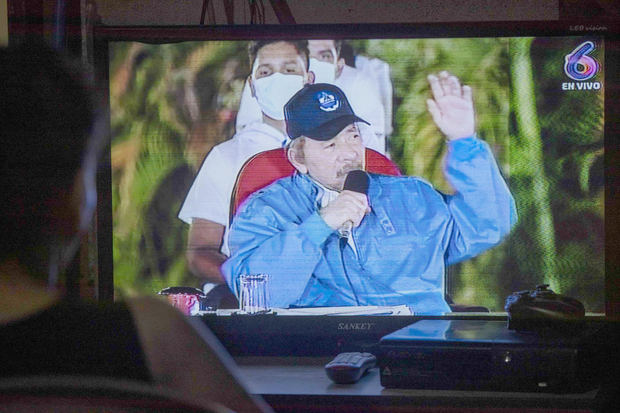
(356, 181)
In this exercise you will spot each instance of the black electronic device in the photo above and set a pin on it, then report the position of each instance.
(480, 354)
(347, 368)
(542, 309)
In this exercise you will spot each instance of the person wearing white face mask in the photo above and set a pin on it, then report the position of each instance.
(279, 70)
(329, 67)
(323, 61)
(273, 90)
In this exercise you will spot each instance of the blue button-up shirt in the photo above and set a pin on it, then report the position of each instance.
(401, 248)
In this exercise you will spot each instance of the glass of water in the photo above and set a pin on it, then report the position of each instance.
(254, 293)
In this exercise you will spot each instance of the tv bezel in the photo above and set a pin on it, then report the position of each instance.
(326, 335)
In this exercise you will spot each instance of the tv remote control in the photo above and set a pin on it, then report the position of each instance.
(347, 368)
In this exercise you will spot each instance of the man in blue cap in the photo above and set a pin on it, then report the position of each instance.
(404, 232)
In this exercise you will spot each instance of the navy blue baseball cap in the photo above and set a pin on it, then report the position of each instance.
(319, 112)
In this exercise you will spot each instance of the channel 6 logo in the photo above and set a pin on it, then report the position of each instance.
(578, 65)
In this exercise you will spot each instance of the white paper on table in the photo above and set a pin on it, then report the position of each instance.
(333, 311)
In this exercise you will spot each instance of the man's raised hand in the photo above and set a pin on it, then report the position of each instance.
(452, 107)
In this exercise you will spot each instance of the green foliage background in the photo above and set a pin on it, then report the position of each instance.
(172, 103)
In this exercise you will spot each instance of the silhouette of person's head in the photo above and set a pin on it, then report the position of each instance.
(48, 155)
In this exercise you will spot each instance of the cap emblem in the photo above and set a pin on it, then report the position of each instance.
(327, 101)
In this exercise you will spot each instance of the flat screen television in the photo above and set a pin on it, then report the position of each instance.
(544, 99)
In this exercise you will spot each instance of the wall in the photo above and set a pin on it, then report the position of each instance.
(4, 24)
(188, 12)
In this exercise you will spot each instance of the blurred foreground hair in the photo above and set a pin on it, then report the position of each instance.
(47, 118)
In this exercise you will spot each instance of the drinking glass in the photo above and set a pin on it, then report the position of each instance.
(254, 293)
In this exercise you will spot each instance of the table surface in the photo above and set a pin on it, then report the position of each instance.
(274, 377)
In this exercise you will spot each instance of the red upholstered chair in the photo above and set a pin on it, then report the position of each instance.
(267, 167)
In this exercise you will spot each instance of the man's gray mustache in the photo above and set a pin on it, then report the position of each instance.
(348, 168)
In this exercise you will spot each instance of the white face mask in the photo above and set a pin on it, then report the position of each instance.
(324, 72)
(273, 91)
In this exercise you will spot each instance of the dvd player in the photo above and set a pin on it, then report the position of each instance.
(486, 355)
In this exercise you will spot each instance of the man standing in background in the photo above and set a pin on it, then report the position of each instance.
(361, 90)
(279, 70)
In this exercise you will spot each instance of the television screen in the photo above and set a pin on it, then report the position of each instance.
(180, 98)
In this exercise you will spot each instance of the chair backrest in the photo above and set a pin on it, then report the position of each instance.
(267, 167)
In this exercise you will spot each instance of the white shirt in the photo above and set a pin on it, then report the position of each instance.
(209, 196)
(379, 70)
(362, 93)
